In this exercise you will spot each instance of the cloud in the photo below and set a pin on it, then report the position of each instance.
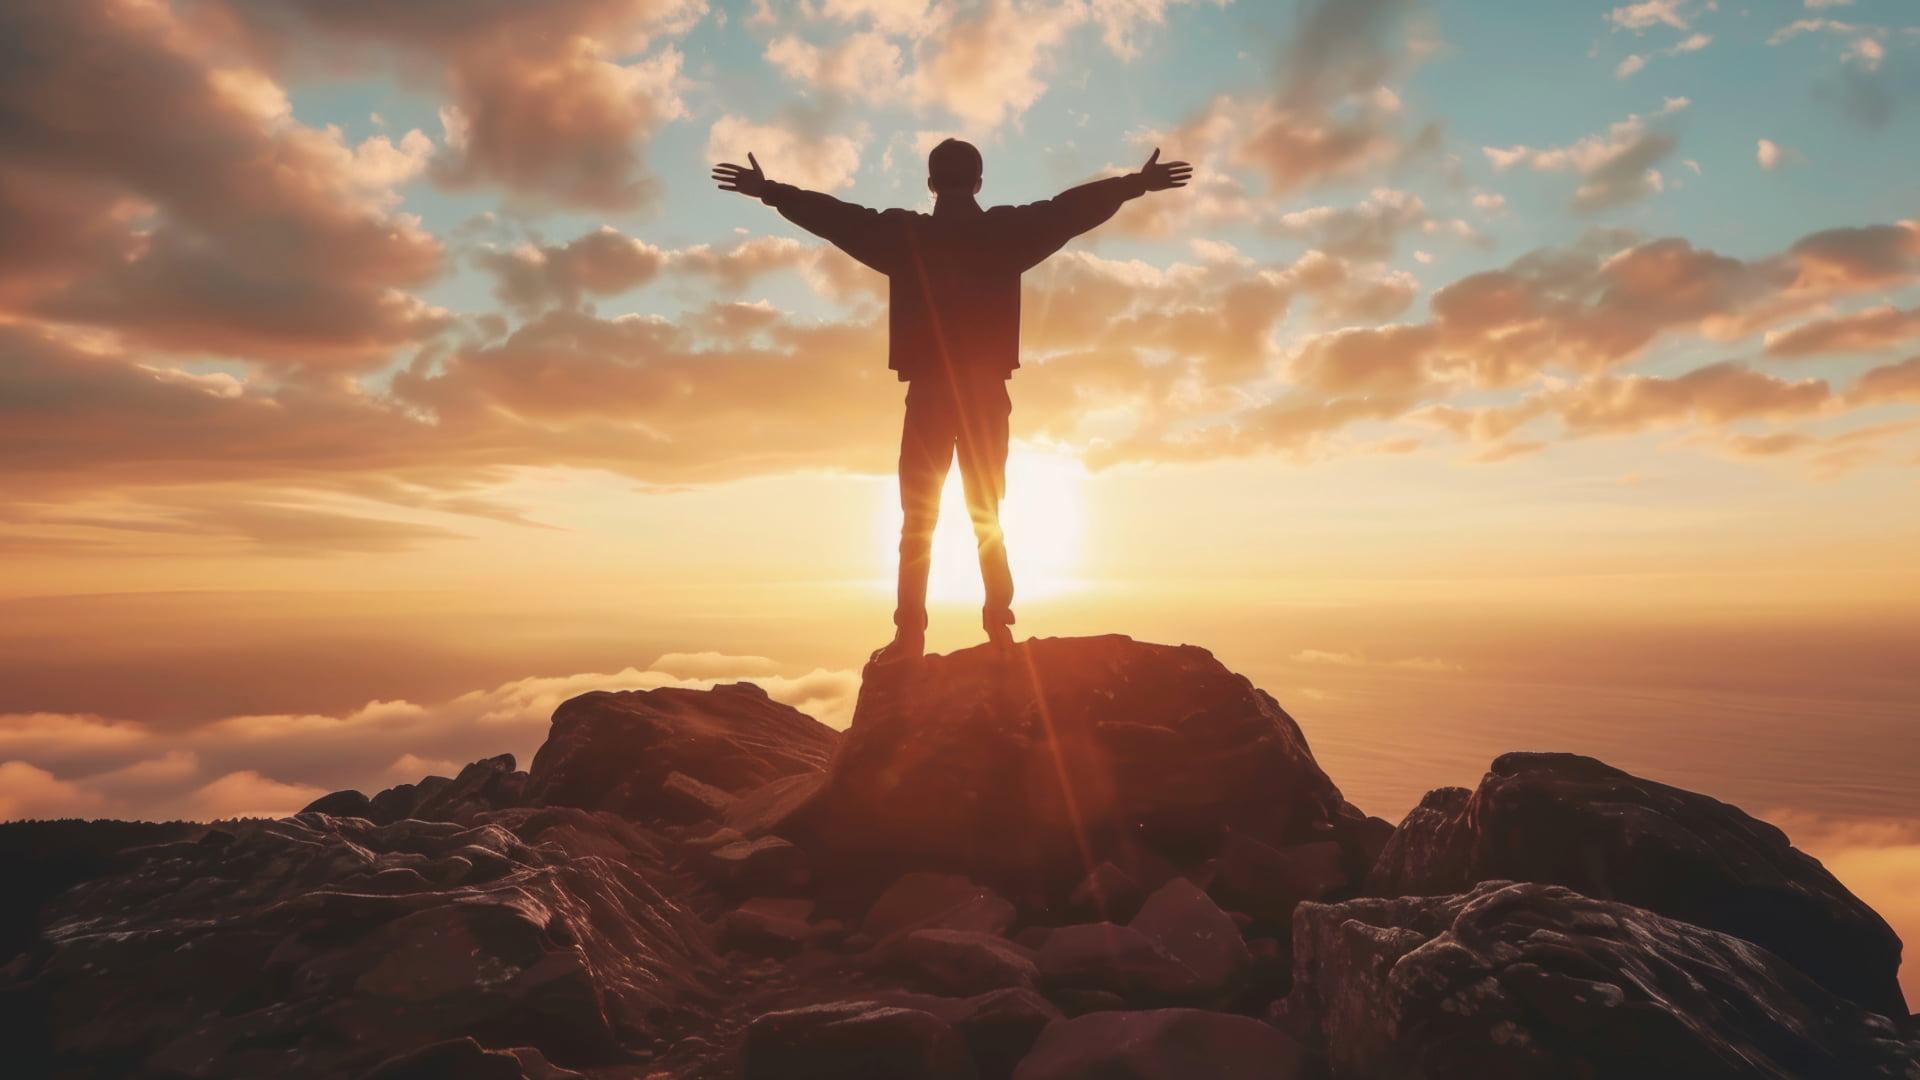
(1615, 167)
(1649, 13)
(1772, 155)
(1637, 62)
(271, 765)
(1369, 230)
(1716, 394)
(864, 65)
(1869, 330)
(984, 66)
(1891, 383)
(819, 162)
(160, 193)
(554, 102)
(600, 263)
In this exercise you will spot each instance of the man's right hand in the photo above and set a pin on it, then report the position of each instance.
(1161, 175)
(746, 179)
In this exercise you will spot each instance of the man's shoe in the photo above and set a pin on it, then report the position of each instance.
(906, 645)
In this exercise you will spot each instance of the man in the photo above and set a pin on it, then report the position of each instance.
(954, 339)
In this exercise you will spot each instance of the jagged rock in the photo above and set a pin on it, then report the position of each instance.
(488, 784)
(318, 946)
(766, 808)
(393, 804)
(961, 962)
(924, 901)
(711, 841)
(769, 926)
(1527, 981)
(769, 865)
(348, 803)
(1163, 1044)
(1120, 959)
(1000, 1028)
(685, 799)
(613, 751)
(853, 1039)
(465, 1059)
(1108, 893)
(1266, 882)
(1002, 764)
(1578, 822)
(1187, 925)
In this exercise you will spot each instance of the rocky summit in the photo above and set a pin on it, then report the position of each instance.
(1087, 857)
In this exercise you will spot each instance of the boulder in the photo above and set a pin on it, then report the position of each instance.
(466, 1059)
(1163, 1044)
(1000, 1028)
(1525, 981)
(1575, 821)
(686, 800)
(1014, 766)
(1266, 882)
(348, 803)
(853, 1039)
(1187, 926)
(961, 962)
(613, 751)
(488, 784)
(769, 866)
(924, 901)
(1107, 893)
(318, 946)
(768, 926)
(766, 808)
(1117, 959)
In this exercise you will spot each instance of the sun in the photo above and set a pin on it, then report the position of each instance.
(1042, 518)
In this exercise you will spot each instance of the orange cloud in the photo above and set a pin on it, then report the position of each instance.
(1870, 330)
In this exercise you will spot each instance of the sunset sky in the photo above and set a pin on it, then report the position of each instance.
(1512, 376)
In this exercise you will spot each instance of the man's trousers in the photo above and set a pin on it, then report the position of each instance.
(967, 417)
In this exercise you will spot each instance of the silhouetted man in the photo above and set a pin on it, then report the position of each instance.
(954, 338)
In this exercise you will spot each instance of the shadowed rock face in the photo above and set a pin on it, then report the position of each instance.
(614, 751)
(317, 947)
(1026, 768)
(1578, 822)
(1525, 981)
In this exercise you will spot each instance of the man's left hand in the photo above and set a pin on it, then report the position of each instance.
(746, 179)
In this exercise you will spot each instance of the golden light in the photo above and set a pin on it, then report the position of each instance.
(1043, 522)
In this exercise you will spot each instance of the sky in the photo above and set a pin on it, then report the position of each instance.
(1543, 376)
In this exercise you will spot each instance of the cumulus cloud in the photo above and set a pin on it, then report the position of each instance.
(604, 262)
(1615, 167)
(1890, 383)
(1869, 330)
(272, 765)
(169, 196)
(822, 162)
(1650, 13)
(553, 102)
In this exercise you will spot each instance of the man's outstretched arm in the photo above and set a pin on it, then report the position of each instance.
(1076, 210)
(860, 232)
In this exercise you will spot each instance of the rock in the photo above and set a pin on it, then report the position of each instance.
(711, 841)
(684, 799)
(961, 962)
(1266, 882)
(768, 865)
(1000, 1028)
(769, 927)
(1000, 764)
(1526, 981)
(923, 901)
(488, 784)
(1120, 959)
(348, 803)
(1574, 821)
(280, 953)
(1184, 922)
(766, 808)
(1163, 1044)
(1107, 894)
(465, 1059)
(1074, 1001)
(393, 804)
(853, 1039)
(613, 751)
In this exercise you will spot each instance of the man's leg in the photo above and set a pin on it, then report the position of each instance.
(926, 449)
(983, 471)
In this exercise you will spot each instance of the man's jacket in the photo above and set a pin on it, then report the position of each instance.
(954, 298)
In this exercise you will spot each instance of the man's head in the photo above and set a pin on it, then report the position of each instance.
(954, 168)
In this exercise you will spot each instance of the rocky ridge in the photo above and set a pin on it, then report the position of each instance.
(1079, 857)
